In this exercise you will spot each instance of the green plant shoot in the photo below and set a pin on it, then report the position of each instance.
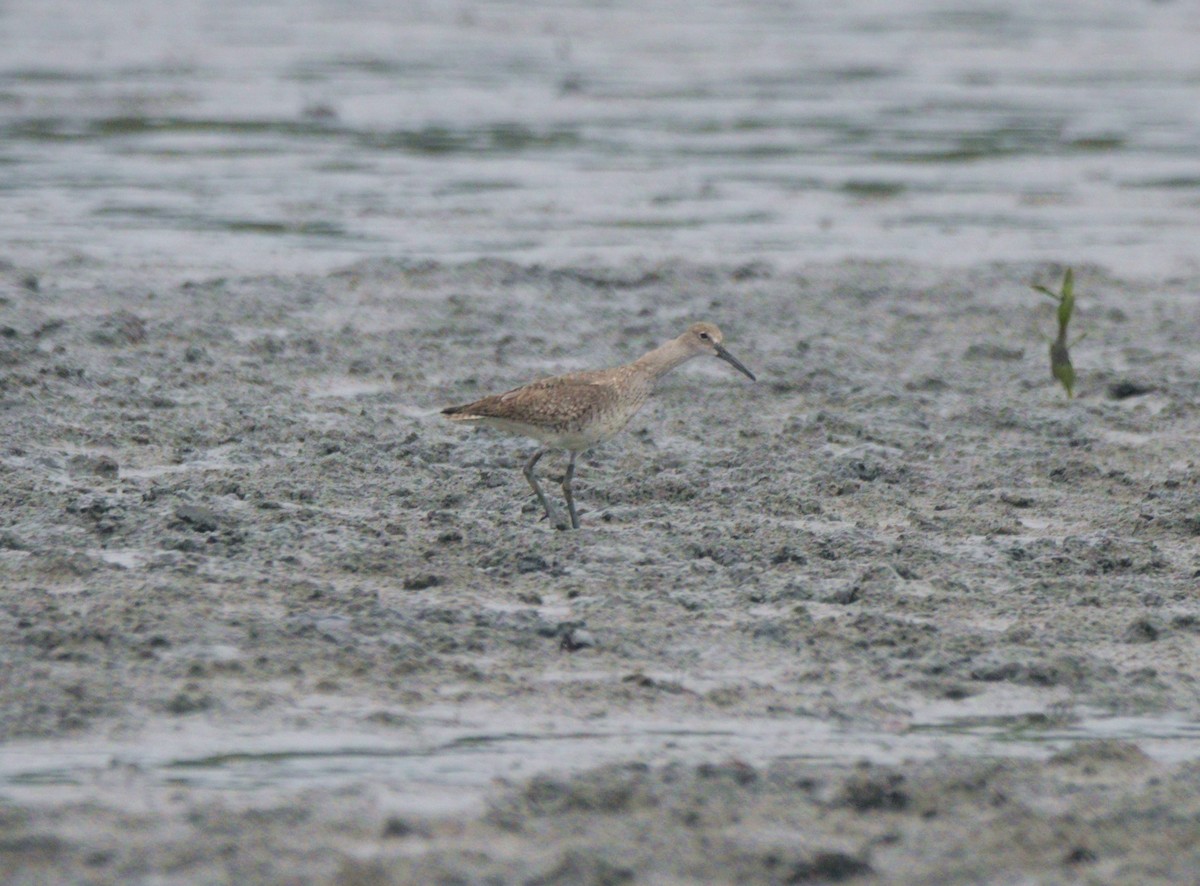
(1060, 355)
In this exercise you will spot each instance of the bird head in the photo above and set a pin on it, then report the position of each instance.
(706, 338)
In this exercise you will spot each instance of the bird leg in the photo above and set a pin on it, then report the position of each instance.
(551, 515)
(566, 485)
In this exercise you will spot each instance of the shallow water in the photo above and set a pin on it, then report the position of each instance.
(200, 137)
(450, 765)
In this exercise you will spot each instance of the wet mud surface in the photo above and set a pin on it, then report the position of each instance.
(231, 512)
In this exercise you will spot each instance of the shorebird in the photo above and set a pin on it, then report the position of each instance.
(580, 409)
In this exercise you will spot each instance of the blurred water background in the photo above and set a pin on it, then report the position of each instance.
(217, 136)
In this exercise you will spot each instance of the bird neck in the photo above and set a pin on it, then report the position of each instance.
(663, 359)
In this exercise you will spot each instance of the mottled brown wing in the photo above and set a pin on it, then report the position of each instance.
(563, 399)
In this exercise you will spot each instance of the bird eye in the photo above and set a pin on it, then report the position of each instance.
(704, 336)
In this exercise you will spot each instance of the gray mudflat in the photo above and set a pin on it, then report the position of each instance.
(266, 617)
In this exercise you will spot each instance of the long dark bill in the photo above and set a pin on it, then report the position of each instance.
(734, 362)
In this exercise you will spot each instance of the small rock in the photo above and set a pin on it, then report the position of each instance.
(532, 563)
(10, 541)
(105, 513)
(928, 383)
(183, 545)
(994, 670)
(49, 327)
(843, 596)
(1126, 388)
(828, 867)
(396, 827)
(992, 351)
(737, 771)
(199, 518)
(120, 328)
(320, 112)
(754, 270)
(587, 866)
(878, 579)
(874, 789)
(1187, 622)
(956, 691)
(788, 555)
(1016, 499)
(1141, 630)
(421, 582)
(188, 701)
(96, 465)
(575, 639)
(72, 563)
(336, 628)
(645, 681)
(1101, 751)
(1080, 855)
(773, 631)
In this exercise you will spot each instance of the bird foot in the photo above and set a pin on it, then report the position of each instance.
(555, 520)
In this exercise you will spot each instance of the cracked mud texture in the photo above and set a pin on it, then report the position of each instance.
(232, 502)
